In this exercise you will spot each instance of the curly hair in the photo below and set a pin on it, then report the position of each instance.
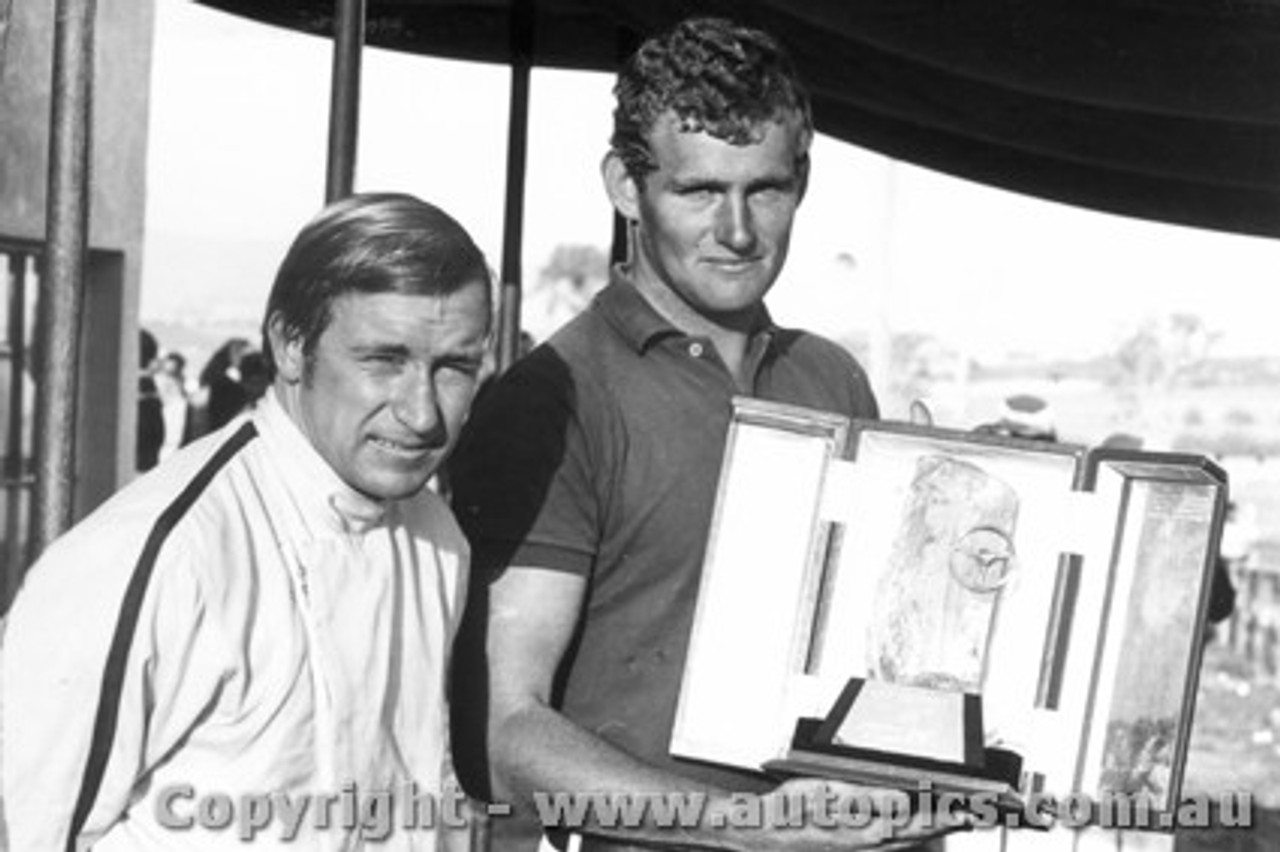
(718, 77)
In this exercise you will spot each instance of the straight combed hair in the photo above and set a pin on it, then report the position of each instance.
(368, 243)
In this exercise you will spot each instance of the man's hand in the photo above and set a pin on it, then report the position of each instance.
(919, 414)
(816, 815)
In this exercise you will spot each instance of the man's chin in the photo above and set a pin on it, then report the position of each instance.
(397, 486)
(734, 315)
(737, 301)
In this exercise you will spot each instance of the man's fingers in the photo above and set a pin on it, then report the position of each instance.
(922, 826)
(919, 413)
(852, 816)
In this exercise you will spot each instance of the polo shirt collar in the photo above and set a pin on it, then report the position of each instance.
(310, 478)
(640, 325)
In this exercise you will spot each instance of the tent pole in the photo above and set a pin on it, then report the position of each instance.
(344, 103)
(15, 537)
(626, 41)
(522, 18)
(62, 296)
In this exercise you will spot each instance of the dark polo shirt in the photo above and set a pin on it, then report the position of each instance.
(599, 454)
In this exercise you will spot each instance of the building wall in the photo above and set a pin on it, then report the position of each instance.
(122, 66)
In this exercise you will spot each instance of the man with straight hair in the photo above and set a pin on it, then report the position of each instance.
(587, 478)
(250, 643)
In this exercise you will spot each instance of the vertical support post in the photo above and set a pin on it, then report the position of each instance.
(1233, 628)
(15, 535)
(620, 243)
(6, 14)
(67, 225)
(1271, 651)
(522, 22)
(344, 101)
(626, 42)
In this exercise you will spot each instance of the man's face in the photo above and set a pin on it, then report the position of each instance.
(389, 384)
(715, 218)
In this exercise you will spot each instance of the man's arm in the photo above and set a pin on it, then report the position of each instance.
(531, 618)
(57, 678)
(525, 626)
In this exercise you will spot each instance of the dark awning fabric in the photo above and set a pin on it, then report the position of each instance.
(1161, 109)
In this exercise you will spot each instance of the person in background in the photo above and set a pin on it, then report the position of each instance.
(1235, 559)
(255, 377)
(222, 395)
(151, 426)
(1023, 415)
(269, 613)
(586, 479)
(171, 383)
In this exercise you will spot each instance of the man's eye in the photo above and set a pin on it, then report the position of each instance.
(696, 193)
(463, 368)
(772, 194)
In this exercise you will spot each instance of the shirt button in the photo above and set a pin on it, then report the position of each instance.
(695, 349)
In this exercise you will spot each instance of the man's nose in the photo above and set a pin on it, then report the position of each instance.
(417, 407)
(735, 226)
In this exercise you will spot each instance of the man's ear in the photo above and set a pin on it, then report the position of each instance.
(621, 187)
(803, 141)
(286, 350)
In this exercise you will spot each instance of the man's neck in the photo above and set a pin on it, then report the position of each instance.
(730, 334)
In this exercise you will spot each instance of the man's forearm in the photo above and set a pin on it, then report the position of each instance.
(540, 757)
(568, 778)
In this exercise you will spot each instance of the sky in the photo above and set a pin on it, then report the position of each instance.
(237, 142)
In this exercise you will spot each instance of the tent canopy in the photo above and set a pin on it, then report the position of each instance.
(1160, 109)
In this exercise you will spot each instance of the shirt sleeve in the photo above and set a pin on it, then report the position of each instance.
(522, 477)
(849, 388)
(58, 685)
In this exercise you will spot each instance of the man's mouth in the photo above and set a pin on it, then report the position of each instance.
(737, 264)
(401, 448)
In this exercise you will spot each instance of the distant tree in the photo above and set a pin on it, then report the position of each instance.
(918, 362)
(580, 267)
(566, 283)
(1161, 351)
(1239, 417)
(1160, 356)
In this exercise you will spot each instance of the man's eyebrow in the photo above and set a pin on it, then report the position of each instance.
(779, 180)
(475, 352)
(775, 181)
(695, 182)
(380, 348)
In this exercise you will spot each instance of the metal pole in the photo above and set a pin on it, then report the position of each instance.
(344, 102)
(14, 482)
(517, 155)
(626, 42)
(6, 14)
(66, 235)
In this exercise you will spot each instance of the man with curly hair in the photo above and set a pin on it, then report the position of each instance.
(587, 477)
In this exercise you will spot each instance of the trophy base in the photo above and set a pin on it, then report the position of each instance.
(935, 724)
(903, 738)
